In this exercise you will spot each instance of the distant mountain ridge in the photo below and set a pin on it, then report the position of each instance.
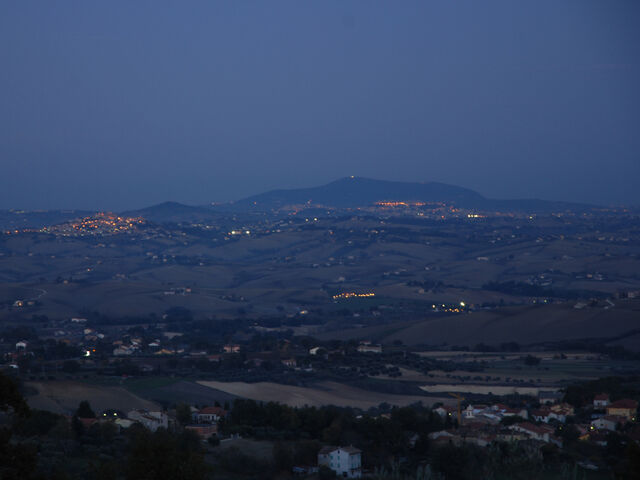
(348, 192)
(351, 192)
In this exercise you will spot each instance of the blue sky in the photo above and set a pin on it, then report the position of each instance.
(116, 105)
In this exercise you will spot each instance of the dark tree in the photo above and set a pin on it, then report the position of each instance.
(84, 410)
(183, 413)
(17, 461)
(164, 456)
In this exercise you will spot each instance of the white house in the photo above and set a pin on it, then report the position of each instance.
(345, 461)
(209, 414)
(608, 422)
(150, 420)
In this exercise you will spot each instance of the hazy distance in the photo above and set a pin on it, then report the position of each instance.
(123, 105)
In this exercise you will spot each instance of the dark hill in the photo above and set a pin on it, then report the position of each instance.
(357, 191)
(174, 212)
(353, 192)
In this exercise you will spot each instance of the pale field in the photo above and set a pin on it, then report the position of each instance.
(64, 396)
(325, 393)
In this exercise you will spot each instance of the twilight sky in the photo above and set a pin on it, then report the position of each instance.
(122, 104)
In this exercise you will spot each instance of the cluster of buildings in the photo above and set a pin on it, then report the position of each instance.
(483, 424)
(483, 434)
(345, 461)
(487, 414)
(204, 421)
(612, 415)
(147, 351)
(98, 224)
(151, 420)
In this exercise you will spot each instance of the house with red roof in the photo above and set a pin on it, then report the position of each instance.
(543, 433)
(210, 414)
(623, 408)
(541, 415)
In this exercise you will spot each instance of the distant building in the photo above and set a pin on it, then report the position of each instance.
(601, 401)
(558, 412)
(210, 414)
(536, 432)
(473, 411)
(367, 347)
(515, 412)
(563, 408)
(541, 415)
(123, 422)
(345, 461)
(231, 349)
(150, 420)
(549, 396)
(304, 469)
(120, 351)
(445, 411)
(608, 422)
(623, 408)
